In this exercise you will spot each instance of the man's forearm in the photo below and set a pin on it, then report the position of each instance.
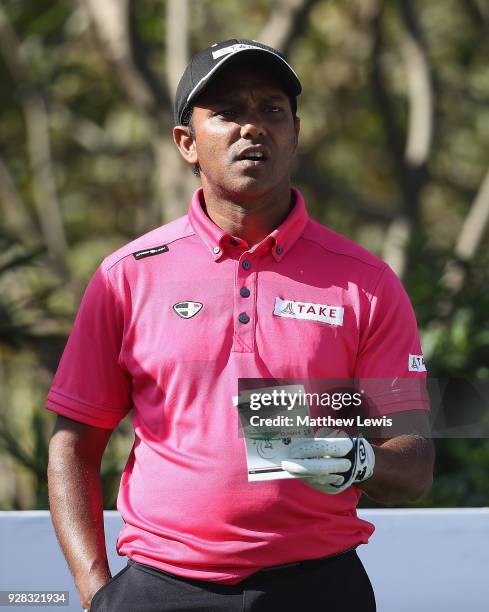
(403, 470)
(75, 498)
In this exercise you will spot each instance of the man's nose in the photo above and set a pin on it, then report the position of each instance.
(252, 128)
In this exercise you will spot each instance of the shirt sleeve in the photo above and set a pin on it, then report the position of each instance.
(91, 385)
(390, 366)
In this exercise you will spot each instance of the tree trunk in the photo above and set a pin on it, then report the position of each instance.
(38, 145)
(17, 219)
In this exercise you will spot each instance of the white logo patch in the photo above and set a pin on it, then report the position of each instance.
(309, 311)
(187, 310)
(416, 363)
(232, 49)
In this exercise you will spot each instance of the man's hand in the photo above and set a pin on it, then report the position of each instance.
(88, 586)
(331, 461)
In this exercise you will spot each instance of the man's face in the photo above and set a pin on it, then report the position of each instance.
(245, 133)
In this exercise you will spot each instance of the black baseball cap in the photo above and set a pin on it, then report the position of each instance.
(204, 66)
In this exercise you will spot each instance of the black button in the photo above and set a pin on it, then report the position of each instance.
(246, 264)
(278, 250)
(244, 318)
(244, 292)
(233, 242)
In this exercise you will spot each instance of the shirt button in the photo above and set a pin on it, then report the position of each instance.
(244, 318)
(216, 250)
(278, 250)
(246, 264)
(244, 292)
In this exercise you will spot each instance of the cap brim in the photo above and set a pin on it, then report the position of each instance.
(285, 72)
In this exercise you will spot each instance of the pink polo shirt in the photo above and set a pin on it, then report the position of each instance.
(169, 323)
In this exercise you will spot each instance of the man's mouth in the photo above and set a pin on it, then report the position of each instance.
(254, 155)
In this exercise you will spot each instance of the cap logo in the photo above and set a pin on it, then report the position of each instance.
(187, 310)
(232, 49)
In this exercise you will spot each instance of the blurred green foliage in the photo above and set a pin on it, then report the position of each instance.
(103, 163)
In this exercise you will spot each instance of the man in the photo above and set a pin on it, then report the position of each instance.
(168, 325)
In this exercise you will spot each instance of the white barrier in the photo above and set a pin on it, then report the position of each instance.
(418, 560)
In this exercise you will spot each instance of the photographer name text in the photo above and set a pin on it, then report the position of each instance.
(321, 421)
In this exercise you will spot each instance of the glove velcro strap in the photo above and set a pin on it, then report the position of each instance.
(359, 459)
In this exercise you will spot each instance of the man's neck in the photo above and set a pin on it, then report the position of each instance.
(249, 219)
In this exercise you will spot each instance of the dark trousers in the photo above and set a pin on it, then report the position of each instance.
(337, 584)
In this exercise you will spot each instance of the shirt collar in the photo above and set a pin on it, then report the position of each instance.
(280, 240)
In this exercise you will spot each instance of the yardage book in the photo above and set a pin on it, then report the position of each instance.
(269, 430)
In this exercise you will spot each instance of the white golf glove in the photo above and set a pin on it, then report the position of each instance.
(331, 461)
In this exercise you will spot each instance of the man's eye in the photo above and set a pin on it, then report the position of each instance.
(273, 109)
(227, 113)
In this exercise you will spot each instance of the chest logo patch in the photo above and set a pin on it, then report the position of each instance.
(187, 310)
(333, 315)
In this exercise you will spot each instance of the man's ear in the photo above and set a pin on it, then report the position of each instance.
(297, 129)
(185, 143)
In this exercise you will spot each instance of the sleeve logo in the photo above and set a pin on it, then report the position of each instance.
(416, 363)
